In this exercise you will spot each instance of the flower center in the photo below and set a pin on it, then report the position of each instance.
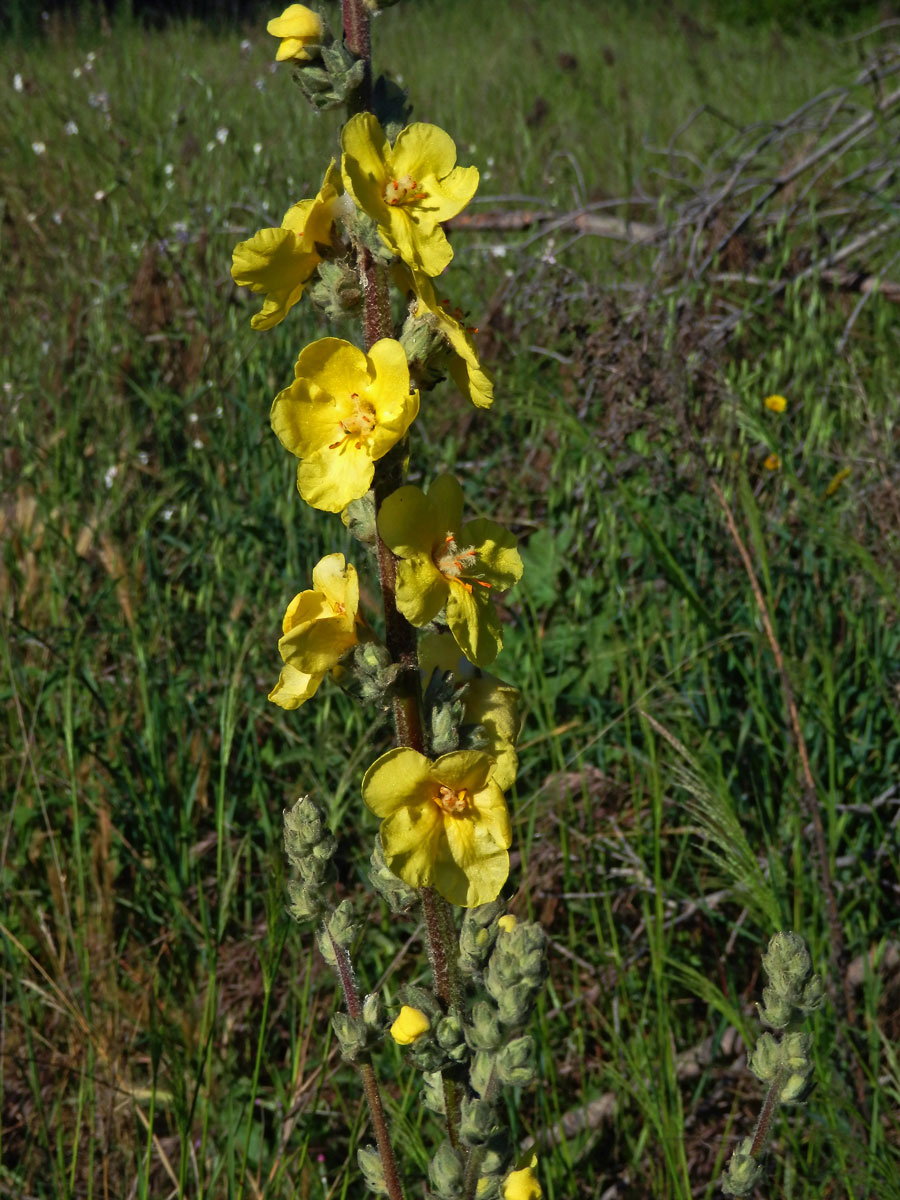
(451, 801)
(403, 191)
(453, 563)
(358, 423)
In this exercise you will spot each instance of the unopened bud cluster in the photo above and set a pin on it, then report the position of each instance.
(310, 848)
(783, 1062)
(485, 1053)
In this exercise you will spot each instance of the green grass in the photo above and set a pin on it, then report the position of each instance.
(165, 1028)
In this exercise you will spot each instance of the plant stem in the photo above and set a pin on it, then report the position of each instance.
(370, 1082)
(400, 637)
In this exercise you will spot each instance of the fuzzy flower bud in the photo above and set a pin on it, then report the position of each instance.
(450, 1036)
(372, 1169)
(340, 928)
(516, 1062)
(409, 1025)
(485, 1032)
(446, 1173)
(516, 972)
(788, 967)
(478, 1122)
(744, 1171)
(352, 1035)
(477, 936)
(309, 848)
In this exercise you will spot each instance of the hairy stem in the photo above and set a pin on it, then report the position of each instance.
(370, 1082)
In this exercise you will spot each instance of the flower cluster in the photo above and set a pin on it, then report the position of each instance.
(348, 418)
(445, 822)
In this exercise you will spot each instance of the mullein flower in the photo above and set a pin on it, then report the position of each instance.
(461, 363)
(300, 30)
(522, 1184)
(344, 410)
(446, 563)
(319, 627)
(445, 823)
(776, 404)
(280, 262)
(407, 188)
(409, 1025)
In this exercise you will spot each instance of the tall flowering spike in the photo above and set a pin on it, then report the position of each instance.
(344, 411)
(445, 823)
(280, 262)
(444, 562)
(319, 627)
(300, 30)
(407, 188)
(462, 361)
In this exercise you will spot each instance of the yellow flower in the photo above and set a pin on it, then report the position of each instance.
(772, 463)
(319, 627)
(523, 1184)
(507, 923)
(836, 481)
(488, 703)
(445, 823)
(776, 404)
(344, 410)
(409, 1026)
(407, 189)
(298, 27)
(444, 562)
(462, 364)
(281, 261)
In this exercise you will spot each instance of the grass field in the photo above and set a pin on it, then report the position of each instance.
(165, 1028)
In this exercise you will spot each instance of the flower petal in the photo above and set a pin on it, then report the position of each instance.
(317, 647)
(294, 687)
(446, 495)
(329, 481)
(409, 523)
(421, 590)
(397, 779)
(338, 582)
(411, 838)
(470, 868)
(364, 163)
(474, 623)
(421, 148)
(337, 366)
(498, 559)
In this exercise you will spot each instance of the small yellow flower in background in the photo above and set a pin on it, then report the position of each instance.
(523, 1184)
(344, 410)
(488, 702)
(462, 365)
(319, 626)
(281, 261)
(836, 481)
(407, 189)
(772, 462)
(445, 823)
(409, 1026)
(776, 404)
(444, 562)
(299, 28)
(507, 923)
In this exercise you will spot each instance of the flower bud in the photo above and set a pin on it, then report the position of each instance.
(352, 1034)
(744, 1171)
(787, 964)
(765, 1062)
(372, 1169)
(481, 1071)
(478, 1121)
(373, 1012)
(433, 1092)
(307, 902)
(450, 1036)
(516, 1062)
(508, 923)
(409, 1025)
(485, 1032)
(340, 928)
(478, 934)
(336, 291)
(446, 1173)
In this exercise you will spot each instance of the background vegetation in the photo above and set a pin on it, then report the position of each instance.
(164, 1028)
